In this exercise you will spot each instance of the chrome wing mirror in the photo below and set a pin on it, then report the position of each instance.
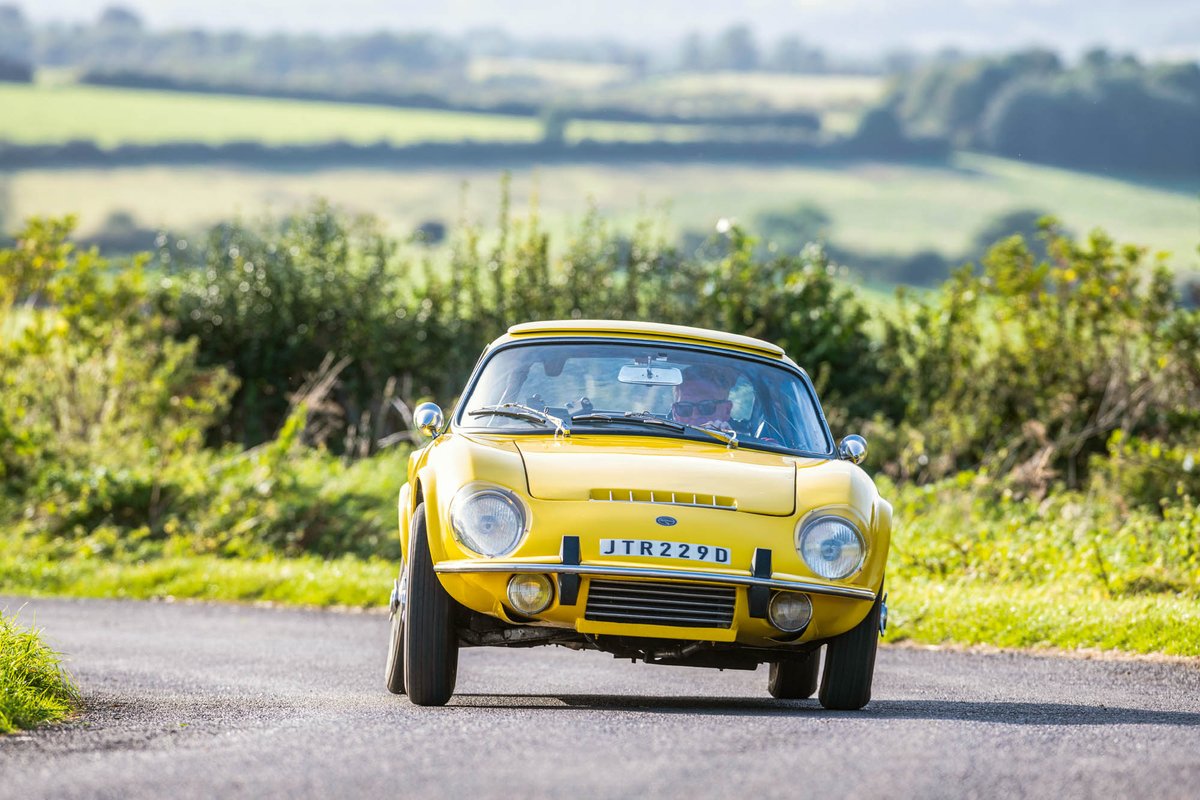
(428, 419)
(853, 449)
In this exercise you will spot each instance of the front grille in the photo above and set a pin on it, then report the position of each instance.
(653, 603)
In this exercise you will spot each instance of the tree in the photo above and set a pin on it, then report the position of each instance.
(119, 17)
(791, 54)
(736, 49)
(692, 53)
(15, 41)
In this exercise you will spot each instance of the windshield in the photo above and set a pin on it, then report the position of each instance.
(645, 388)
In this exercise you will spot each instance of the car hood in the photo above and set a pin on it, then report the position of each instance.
(627, 469)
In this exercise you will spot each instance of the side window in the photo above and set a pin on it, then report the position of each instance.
(742, 395)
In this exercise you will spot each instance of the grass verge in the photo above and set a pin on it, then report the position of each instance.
(923, 611)
(34, 688)
(1005, 615)
(309, 580)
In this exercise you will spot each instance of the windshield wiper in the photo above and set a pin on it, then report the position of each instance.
(521, 411)
(728, 439)
(631, 416)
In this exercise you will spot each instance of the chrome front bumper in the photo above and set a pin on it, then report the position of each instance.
(776, 581)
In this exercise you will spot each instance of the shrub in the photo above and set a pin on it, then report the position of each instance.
(275, 305)
(1030, 366)
(1150, 473)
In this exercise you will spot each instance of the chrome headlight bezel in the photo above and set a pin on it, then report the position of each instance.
(471, 540)
(808, 527)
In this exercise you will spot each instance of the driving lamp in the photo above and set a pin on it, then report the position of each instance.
(530, 594)
(790, 611)
(490, 520)
(832, 547)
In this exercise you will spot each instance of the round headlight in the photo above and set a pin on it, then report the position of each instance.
(488, 519)
(832, 547)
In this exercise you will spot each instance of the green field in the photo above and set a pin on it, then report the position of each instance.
(781, 91)
(49, 112)
(876, 208)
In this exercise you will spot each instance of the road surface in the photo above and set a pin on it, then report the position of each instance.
(197, 700)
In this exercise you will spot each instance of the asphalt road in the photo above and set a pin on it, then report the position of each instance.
(188, 700)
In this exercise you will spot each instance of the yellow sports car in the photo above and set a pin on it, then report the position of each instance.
(658, 492)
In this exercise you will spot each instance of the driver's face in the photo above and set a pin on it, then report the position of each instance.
(700, 402)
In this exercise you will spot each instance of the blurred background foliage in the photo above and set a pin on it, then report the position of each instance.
(220, 406)
(249, 394)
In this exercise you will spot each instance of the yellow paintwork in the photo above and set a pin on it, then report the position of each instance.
(641, 330)
(558, 479)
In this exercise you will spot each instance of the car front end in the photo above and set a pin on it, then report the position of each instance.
(608, 521)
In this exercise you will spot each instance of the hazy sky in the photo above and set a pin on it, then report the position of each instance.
(850, 26)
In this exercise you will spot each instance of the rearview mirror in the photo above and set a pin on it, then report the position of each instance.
(649, 375)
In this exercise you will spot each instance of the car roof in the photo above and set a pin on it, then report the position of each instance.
(651, 330)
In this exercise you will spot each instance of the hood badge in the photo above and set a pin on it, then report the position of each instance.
(666, 521)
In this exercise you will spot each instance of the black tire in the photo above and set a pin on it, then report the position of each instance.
(850, 664)
(394, 672)
(430, 642)
(795, 680)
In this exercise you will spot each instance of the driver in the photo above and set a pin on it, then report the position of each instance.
(702, 400)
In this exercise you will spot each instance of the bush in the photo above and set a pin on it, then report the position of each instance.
(89, 377)
(278, 498)
(1149, 473)
(969, 530)
(275, 305)
(1029, 367)
(271, 304)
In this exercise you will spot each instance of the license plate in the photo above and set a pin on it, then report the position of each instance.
(651, 548)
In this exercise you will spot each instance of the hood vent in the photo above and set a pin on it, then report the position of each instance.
(664, 498)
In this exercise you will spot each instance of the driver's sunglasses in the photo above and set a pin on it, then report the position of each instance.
(684, 408)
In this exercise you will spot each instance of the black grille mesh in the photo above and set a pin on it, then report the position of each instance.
(688, 605)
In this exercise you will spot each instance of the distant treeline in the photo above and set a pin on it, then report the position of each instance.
(118, 39)
(1105, 113)
(89, 154)
(135, 79)
(15, 71)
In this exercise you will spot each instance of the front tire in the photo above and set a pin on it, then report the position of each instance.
(430, 641)
(850, 663)
(795, 680)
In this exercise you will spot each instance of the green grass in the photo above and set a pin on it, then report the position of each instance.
(922, 610)
(1050, 616)
(34, 688)
(876, 208)
(308, 581)
(777, 90)
(49, 113)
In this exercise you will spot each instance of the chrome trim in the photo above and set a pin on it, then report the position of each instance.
(469, 492)
(468, 566)
(853, 449)
(428, 419)
(815, 517)
(629, 496)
